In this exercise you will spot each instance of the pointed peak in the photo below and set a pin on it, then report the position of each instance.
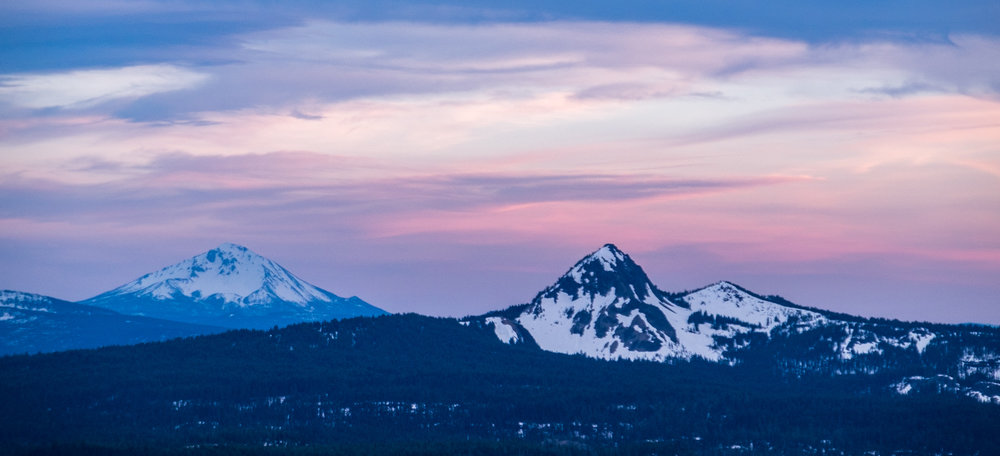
(610, 247)
(609, 256)
(604, 270)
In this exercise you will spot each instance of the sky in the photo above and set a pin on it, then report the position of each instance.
(455, 157)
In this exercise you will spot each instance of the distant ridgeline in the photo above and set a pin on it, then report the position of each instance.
(31, 323)
(715, 371)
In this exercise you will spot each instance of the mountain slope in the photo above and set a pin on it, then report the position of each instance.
(606, 307)
(31, 323)
(230, 286)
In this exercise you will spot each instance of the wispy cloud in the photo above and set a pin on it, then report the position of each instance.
(322, 62)
(178, 185)
(86, 88)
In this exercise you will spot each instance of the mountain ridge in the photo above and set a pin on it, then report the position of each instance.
(606, 307)
(33, 323)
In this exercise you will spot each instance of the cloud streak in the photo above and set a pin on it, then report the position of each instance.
(177, 186)
(87, 88)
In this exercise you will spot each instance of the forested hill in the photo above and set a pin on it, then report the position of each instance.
(435, 386)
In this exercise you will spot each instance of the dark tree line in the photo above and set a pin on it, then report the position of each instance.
(408, 384)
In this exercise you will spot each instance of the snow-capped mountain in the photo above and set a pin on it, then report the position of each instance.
(230, 286)
(606, 307)
(31, 323)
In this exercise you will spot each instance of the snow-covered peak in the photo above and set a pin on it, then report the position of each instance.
(609, 256)
(608, 259)
(726, 299)
(604, 306)
(231, 273)
(230, 286)
(605, 272)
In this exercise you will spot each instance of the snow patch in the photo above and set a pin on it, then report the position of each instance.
(921, 339)
(984, 398)
(504, 330)
(609, 257)
(24, 301)
(865, 348)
